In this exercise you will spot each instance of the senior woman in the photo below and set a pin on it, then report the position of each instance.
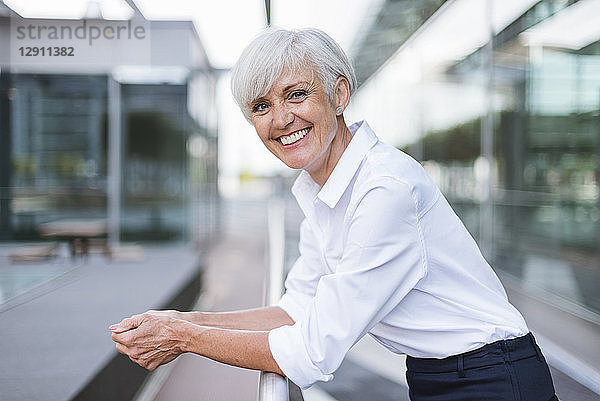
(381, 252)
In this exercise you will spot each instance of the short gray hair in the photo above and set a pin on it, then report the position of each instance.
(275, 49)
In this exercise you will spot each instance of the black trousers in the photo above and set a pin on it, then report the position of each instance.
(507, 370)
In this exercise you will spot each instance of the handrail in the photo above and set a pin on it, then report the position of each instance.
(273, 387)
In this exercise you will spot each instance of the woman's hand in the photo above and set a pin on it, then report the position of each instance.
(150, 339)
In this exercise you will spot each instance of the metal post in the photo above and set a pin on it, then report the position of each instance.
(598, 172)
(268, 11)
(419, 146)
(114, 160)
(273, 387)
(487, 144)
(5, 158)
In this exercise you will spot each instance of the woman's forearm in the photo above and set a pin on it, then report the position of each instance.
(259, 319)
(154, 338)
(242, 348)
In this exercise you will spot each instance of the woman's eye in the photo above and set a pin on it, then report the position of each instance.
(296, 95)
(259, 108)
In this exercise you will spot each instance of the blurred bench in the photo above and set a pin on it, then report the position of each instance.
(80, 234)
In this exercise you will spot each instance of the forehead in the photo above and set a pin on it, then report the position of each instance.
(290, 78)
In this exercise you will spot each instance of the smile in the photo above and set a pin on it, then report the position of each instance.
(293, 138)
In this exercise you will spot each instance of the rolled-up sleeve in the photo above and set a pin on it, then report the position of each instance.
(383, 259)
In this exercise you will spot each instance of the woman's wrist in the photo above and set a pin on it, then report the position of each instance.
(181, 335)
(195, 317)
(187, 334)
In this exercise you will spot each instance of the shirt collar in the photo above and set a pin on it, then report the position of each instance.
(305, 189)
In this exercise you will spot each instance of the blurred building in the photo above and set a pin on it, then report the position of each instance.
(106, 119)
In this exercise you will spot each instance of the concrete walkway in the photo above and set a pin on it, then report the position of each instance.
(55, 338)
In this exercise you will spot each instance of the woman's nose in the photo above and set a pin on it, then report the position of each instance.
(282, 116)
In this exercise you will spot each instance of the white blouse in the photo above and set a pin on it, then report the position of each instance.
(382, 252)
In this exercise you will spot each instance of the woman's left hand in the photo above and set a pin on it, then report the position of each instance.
(149, 339)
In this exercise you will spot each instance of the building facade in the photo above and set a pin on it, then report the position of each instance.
(125, 131)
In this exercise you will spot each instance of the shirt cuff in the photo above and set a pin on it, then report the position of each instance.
(289, 351)
(292, 307)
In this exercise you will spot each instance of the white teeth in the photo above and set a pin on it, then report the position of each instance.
(289, 139)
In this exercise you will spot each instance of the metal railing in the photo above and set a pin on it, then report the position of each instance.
(273, 387)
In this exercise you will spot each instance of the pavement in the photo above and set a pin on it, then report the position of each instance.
(55, 337)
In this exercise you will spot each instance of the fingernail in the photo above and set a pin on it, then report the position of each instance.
(113, 327)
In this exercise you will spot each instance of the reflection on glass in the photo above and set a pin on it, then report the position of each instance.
(156, 127)
(546, 132)
(58, 149)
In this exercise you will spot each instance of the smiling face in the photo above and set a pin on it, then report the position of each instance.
(297, 122)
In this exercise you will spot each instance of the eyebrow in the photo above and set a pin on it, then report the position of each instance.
(287, 88)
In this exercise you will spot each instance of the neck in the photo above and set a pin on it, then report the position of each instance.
(340, 142)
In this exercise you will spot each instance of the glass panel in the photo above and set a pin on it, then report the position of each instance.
(56, 158)
(155, 132)
(548, 217)
(540, 95)
(58, 126)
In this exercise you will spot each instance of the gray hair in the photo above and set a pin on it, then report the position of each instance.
(274, 50)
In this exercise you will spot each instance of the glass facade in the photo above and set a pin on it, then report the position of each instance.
(548, 220)
(58, 153)
(155, 132)
(58, 150)
(55, 145)
(509, 128)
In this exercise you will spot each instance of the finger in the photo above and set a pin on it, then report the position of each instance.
(121, 348)
(127, 324)
(122, 338)
(116, 329)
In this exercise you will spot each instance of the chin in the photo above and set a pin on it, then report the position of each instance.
(294, 164)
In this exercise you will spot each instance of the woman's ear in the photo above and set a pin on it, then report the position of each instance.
(341, 93)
